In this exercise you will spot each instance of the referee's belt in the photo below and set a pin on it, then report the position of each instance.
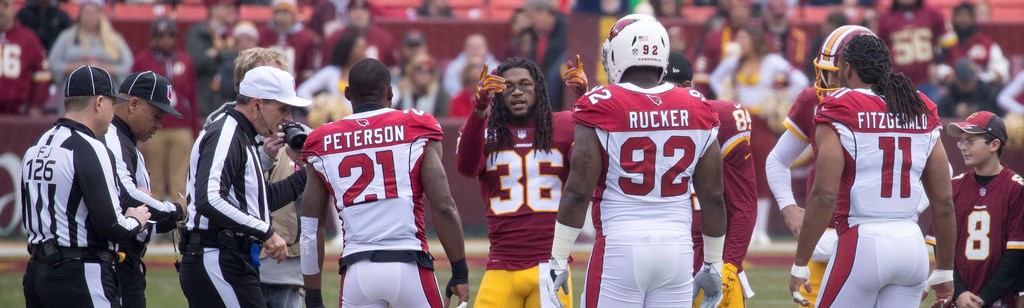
(422, 258)
(195, 240)
(53, 254)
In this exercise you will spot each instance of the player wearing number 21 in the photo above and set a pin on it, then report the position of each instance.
(872, 174)
(989, 202)
(520, 153)
(638, 143)
(378, 163)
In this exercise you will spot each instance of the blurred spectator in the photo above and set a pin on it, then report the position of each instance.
(548, 24)
(332, 79)
(45, 18)
(834, 20)
(412, 44)
(788, 41)
(677, 41)
(462, 103)
(720, 43)
(605, 7)
(168, 150)
(24, 80)
(434, 8)
(329, 16)
(520, 35)
(209, 45)
(245, 37)
(993, 67)
(967, 93)
(91, 41)
(667, 8)
(285, 32)
(912, 30)
(379, 43)
(1011, 98)
(251, 2)
(474, 49)
(420, 87)
(765, 83)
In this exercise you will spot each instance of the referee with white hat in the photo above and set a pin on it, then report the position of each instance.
(71, 205)
(229, 201)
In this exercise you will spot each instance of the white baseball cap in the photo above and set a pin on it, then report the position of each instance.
(267, 82)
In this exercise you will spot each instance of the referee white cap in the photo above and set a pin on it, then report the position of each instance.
(266, 82)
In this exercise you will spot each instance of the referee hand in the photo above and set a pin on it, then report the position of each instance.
(140, 213)
(276, 248)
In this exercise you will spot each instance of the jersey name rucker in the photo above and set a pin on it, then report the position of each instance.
(652, 140)
(371, 163)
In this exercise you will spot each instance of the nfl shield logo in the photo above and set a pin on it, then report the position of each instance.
(362, 122)
(521, 133)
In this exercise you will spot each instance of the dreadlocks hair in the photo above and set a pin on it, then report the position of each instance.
(498, 133)
(869, 57)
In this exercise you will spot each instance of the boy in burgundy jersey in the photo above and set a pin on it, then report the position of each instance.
(989, 202)
(520, 153)
(24, 77)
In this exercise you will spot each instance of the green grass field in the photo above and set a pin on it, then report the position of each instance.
(770, 283)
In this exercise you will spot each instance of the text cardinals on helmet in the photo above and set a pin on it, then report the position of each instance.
(635, 40)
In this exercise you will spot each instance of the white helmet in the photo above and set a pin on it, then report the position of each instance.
(635, 40)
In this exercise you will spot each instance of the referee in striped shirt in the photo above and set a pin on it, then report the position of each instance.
(70, 202)
(149, 98)
(229, 201)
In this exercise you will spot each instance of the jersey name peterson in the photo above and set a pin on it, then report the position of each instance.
(365, 137)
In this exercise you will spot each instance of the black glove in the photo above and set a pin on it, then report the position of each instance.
(460, 275)
(314, 299)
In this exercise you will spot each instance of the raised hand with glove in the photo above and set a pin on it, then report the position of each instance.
(575, 77)
(485, 89)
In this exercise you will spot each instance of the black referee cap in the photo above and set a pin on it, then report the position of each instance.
(90, 81)
(152, 88)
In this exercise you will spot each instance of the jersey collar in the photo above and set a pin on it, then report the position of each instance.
(122, 128)
(250, 130)
(368, 113)
(73, 125)
(662, 88)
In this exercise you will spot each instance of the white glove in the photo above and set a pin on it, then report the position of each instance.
(709, 279)
(559, 279)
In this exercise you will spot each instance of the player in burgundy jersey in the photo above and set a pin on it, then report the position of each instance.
(286, 33)
(989, 203)
(24, 77)
(519, 152)
(794, 143)
(912, 30)
(640, 142)
(377, 164)
(740, 195)
(878, 152)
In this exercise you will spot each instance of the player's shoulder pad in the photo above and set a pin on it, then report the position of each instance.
(958, 177)
(424, 123)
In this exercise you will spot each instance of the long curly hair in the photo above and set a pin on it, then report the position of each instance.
(870, 59)
(498, 133)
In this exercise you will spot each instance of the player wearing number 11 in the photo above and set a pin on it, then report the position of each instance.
(989, 202)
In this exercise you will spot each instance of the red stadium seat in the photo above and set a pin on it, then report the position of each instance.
(466, 4)
(255, 13)
(401, 4)
(508, 4)
(498, 13)
(191, 12)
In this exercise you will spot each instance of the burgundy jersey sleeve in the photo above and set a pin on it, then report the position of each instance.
(469, 149)
(1015, 217)
(738, 170)
(800, 120)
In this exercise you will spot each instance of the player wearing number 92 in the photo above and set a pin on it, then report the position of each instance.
(520, 153)
(378, 163)
(639, 141)
(989, 202)
(878, 152)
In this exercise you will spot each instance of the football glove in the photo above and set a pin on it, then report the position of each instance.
(559, 279)
(486, 87)
(709, 279)
(575, 77)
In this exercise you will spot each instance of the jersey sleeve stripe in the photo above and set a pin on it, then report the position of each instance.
(735, 141)
(796, 130)
(1014, 245)
(930, 240)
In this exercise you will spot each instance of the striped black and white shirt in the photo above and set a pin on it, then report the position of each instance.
(69, 192)
(132, 175)
(226, 186)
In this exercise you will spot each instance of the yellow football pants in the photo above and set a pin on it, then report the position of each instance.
(522, 288)
(817, 274)
(732, 290)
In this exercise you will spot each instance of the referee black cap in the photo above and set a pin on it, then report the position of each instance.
(152, 88)
(90, 81)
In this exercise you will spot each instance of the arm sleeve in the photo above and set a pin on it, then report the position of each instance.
(219, 158)
(958, 285)
(723, 71)
(1007, 272)
(1008, 96)
(469, 153)
(786, 150)
(285, 191)
(95, 170)
(125, 161)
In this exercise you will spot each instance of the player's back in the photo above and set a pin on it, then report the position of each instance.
(652, 140)
(371, 163)
(884, 156)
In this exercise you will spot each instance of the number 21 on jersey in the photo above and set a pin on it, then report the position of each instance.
(369, 184)
(524, 182)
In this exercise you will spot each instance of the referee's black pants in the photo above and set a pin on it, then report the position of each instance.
(70, 283)
(220, 278)
(132, 277)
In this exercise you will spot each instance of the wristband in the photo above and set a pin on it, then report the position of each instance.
(714, 247)
(314, 298)
(460, 271)
(800, 271)
(565, 237)
(939, 276)
(309, 255)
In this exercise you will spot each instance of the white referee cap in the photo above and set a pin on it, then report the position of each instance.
(266, 82)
